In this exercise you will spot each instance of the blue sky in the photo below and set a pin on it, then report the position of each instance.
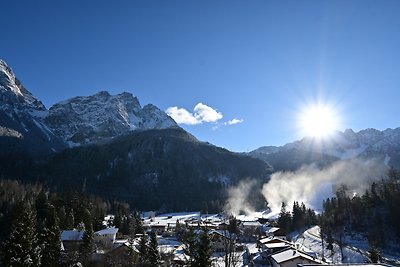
(259, 62)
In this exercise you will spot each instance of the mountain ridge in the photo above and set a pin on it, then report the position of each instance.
(370, 143)
(29, 127)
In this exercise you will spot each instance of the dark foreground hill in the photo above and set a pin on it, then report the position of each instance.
(150, 169)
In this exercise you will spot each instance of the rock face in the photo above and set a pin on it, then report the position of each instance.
(97, 118)
(21, 126)
(14, 94)
(383, 146)
(26, 126)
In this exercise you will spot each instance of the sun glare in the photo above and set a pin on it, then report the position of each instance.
(318, 121)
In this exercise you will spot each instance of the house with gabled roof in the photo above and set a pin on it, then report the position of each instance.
(72, 239)
(291, 258)
(105, 238)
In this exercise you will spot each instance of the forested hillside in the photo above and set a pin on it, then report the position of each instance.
(373, 216)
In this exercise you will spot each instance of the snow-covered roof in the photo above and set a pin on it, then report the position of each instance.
(270, 240)
(72, 235)
(107, 231)
(252, 248)
(252, 223)
(271, 229)
(290, 254)
(125, 242)
(222, 233)
(276, 245)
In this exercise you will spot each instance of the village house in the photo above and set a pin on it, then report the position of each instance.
(71, 240)
(269, 240)
(250, 231)
(291, 258)
(105, 238)
(275, 232)
(122, 251)
(158, 228)
(271, 248)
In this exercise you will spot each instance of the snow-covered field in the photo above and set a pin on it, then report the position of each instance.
(354, 252)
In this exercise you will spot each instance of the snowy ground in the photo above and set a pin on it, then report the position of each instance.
(172, 218)
(354, 252)
(219, 259)
(310, 241)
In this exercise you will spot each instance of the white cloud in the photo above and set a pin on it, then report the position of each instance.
(233, 121)
(182, 116)
(202, 113)
(206, 113)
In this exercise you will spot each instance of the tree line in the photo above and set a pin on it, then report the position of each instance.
(374, 215)
(298, 219)
(31, 220)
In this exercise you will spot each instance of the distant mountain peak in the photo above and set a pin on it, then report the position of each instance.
(90, 119)
(12, 92)
(368, 143)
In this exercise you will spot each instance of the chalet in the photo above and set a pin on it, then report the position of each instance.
(275, 232)
(71, 239)
(123, 249)
(105, 238)
(268, 240)
(250, 230)
(271, 248)
(220, 239)
(291, 258)
(158, 228)
(120, 254)
(251, 225)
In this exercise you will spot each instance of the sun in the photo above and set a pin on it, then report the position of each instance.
(318, 120)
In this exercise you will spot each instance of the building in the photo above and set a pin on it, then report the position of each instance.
(105, 238)
(292, 258)
(71, 239)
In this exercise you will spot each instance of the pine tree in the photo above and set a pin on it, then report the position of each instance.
(21, 247)
(138, 223)
(62, 217)
(49, 237)
(203, 256)
(285, 219)
(153, 254)
(88, 245)
(70, 220)
(189, 240)
(143, 251)
(41, 205)
(231, 234)
(330, 241)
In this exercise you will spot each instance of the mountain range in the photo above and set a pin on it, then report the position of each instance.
(109, 145)
(368, 144)
(78, 121)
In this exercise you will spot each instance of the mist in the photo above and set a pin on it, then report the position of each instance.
(312, 185)
(238, 198)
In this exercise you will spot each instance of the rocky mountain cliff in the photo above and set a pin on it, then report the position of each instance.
(28, 127)
(92, 119)
(383, 146)
(22, 129)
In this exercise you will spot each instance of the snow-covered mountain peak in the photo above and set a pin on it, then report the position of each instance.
(368, 143)
(76, 121)
(13, 93)
(90, 119)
